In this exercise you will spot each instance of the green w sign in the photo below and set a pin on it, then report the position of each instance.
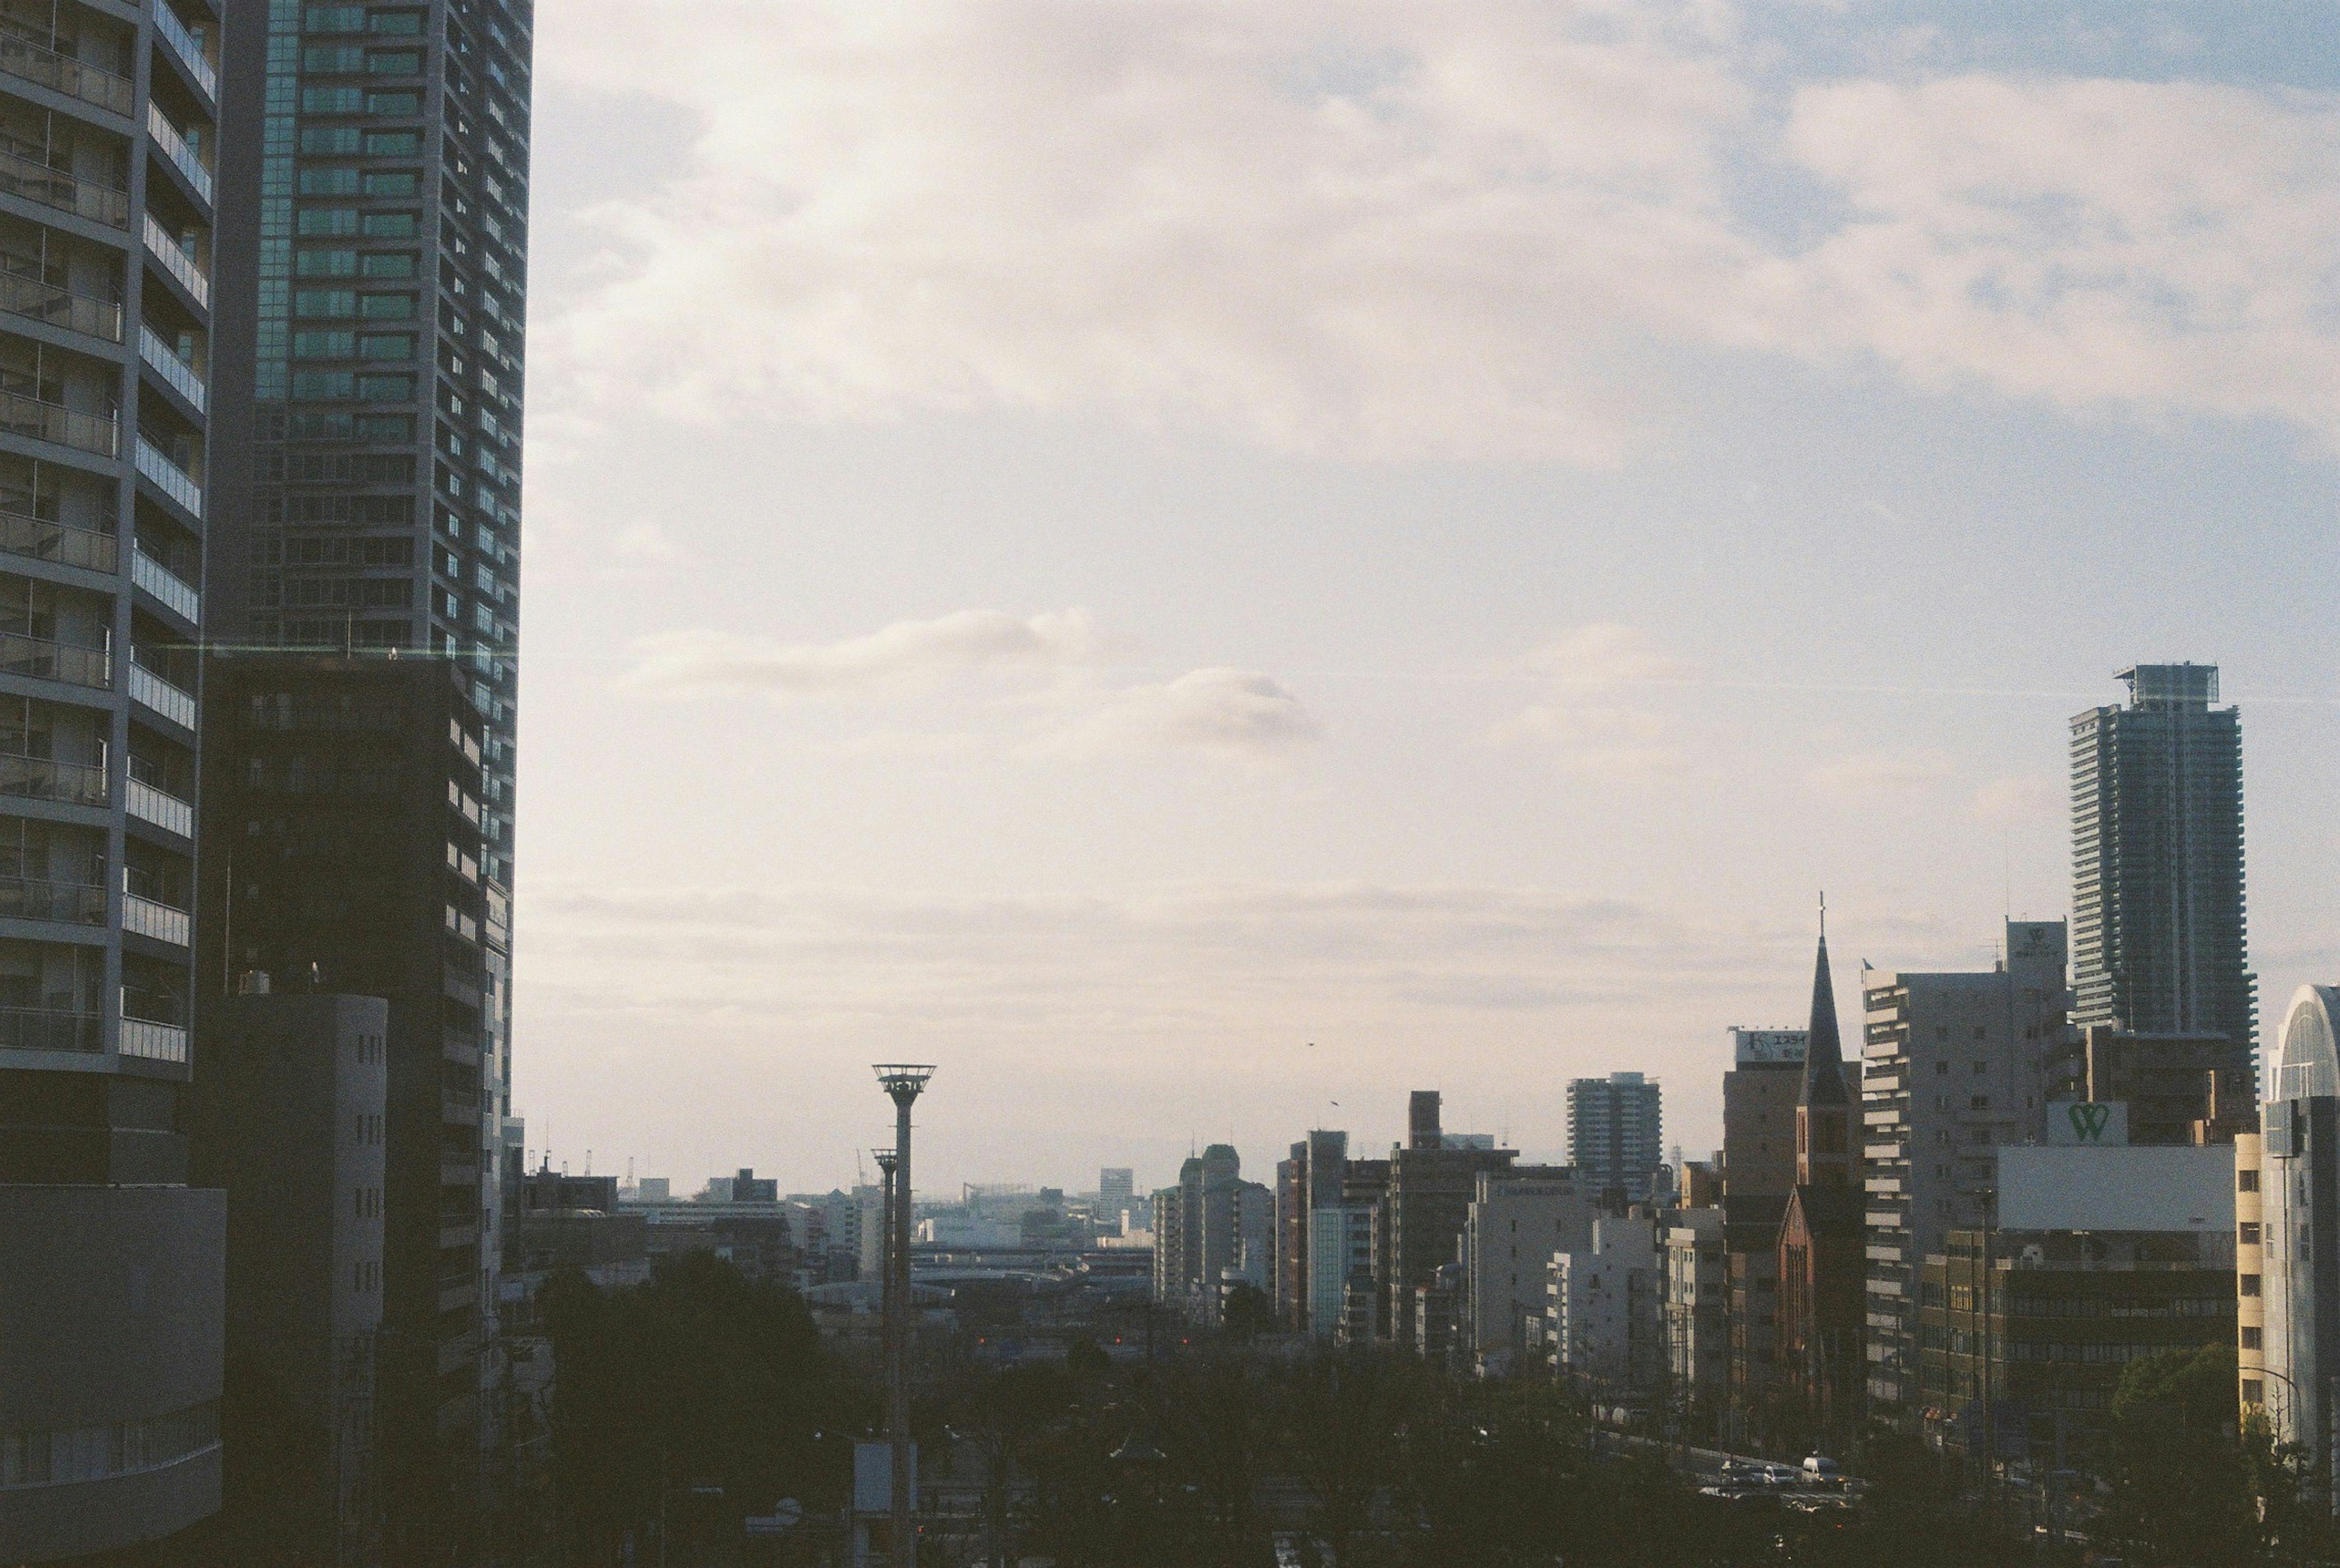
(2088, 1122)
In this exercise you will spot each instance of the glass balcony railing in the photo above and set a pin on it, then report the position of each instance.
(178, 263)
(50, 1029)
(36, 182)
(169, 476)
(43, 659)
(164, 584)
(24, 296)
(22, 57)
(174, 147)
(186, 46)
(43, 420)
(42, 778)
(146, 918)
(27, 899)
(148, 804)
(153, 1041)
(169, 366)
(45, 540)
(159, 695)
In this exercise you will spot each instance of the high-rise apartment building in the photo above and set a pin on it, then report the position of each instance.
(1518, 1218)
(1616, 1128)
(111, 1267)
(1957, 1064)
(364, 579)
(2158, 938)
(2291, 1298)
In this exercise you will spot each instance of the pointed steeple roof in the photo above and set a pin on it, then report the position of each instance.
(1824, 1081)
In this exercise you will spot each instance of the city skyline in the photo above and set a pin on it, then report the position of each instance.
(1123, 692)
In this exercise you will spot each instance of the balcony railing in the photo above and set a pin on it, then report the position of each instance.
(59, 541)
(24, 296)
(165, 810)
(50, 1029)
(168, 475)
(164, 584)
(36, 182)
(24, 898)
(176, 261)
(146, 918)
(41, 778)
(20, 57)
(172, 369)
(43, 420)
(153, 1041)
(159, 695)
(43, 659)
(175, 147)
(182, 43)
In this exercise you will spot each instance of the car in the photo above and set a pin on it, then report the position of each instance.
(1819, 1467)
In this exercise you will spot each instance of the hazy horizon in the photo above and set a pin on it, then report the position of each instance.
(1203, 568)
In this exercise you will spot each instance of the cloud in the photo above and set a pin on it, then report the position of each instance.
(905, 653)
(1603, 742)
(1879, 773)
(2021, 799)
(1233, 712)
(1400, 230)
(1585, 728)
(1603, 654)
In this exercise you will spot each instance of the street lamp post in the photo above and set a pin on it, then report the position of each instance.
(901, 1081)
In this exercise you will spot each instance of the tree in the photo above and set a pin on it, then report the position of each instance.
(2180, 1493)
(1248, 1314)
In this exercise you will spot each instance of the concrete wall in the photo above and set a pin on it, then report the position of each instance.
(2140, 1187)
(111, 1311)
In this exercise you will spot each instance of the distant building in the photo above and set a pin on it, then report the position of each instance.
(2250, 1280)
(2103, 1255)
(654, 1189)
(1364, 1207)
(1605, 1312)
(288, 1122)
(1116, 1188)
(1697, 1319)
(1431, 1181)
(1518, 1218)
(1759, 1111)
(2159, 944)
(2177, 1088)
(1957, 1065)
(1821, 1257)
(2297, 1283)
(1759, 1171)
(1616, 1133)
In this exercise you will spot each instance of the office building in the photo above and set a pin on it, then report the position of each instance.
(1697, 1307)
(1759, 1170)
(2250, 1280)
(2158, 938)
(1820, 1244)
(1518, 1218)
(1605, 1312)
(2176, 1089)
(1616, 1129)
(1308, 1181)
(364, 579)
(111, 1350)
(2297, 1283)
(290, 1124)
(2103, 1256)
(1425, 1206)
(1957, 1065)
(1364, 1210)
(1759, 1111)
(1117, 1186)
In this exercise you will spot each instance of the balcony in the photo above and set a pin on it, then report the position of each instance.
(152, 1041)
(75, 903)
(159, 695)
(164, 584)
(44, 420)
(169, 366)
(169, 477)
(44, 541)
(182, 43)
(163, 810)
(43, 659)
(41, 301)
(50, 1029)
(41, 778)
(22, 57)
(146, 918)
(176, 261)
(174, 147)
(36, 182)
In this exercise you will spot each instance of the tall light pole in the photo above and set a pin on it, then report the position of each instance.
(901, 1082)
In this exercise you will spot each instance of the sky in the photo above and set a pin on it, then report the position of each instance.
(1203, 565)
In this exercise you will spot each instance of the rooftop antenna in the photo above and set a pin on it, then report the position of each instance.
(1823, 914)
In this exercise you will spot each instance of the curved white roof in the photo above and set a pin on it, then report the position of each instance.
(2308, 1059)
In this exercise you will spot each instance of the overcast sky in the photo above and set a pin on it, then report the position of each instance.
(1204, 565)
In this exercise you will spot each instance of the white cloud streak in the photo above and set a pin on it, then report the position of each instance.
(1409, 229)
(907, 653)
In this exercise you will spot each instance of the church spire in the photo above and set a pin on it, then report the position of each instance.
(1824, 1081)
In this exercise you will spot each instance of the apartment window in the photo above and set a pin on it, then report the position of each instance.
(386, 346)
(395, 63)
(2251, 1338)
(387, 307)
(396, 23)
(332, 100)
(323, 386)
(1982, 1067)
(2247, 1233)
(385, 389)
(391, 264)
(2246, 1283)
(329, 182)
(1979, 1103)
(390, 226)
(334, 221)
(394, 103)
(394, 144)
(1942, 1069)
(333, 58)
(2246, 1181)
(330, 139)
(323, 345)
(315, 303)
(327, 265)
(401, 183)
(2254, 1391)
(334, 18)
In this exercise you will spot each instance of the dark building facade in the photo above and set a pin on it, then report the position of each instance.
(111, 1266)
(2159, 944)
(1821, 1266)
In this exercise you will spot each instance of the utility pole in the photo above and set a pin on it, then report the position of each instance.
(901, 1082)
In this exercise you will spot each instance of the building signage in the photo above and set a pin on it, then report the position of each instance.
(2088, 1122)
(1752, 1048)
